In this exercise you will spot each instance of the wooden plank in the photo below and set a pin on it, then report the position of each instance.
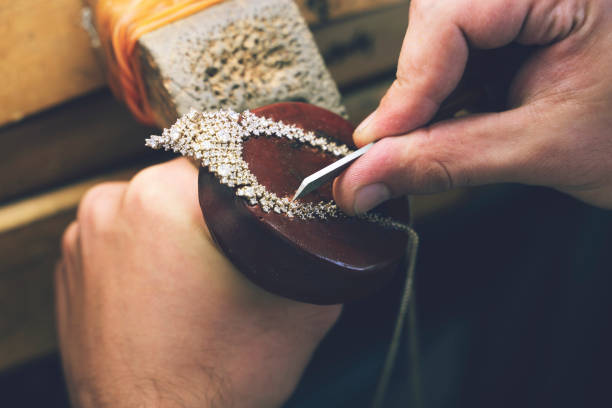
(47, 56)
(30, 232)
(30, 210)
(364, 46)
(320, 11)
(69, 142)
(27, 326)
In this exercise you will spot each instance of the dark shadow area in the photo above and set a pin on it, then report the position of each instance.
(38, 383)
(513, 305)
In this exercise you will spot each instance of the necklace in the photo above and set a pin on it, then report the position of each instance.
(214, 138)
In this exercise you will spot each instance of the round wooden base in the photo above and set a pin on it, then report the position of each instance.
(316, 261)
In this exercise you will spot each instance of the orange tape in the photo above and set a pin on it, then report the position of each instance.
(120, 23)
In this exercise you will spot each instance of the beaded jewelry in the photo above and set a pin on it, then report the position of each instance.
(215, 138)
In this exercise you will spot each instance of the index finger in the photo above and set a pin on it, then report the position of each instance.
(434, 55)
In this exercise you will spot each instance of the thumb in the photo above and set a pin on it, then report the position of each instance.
(474, 150)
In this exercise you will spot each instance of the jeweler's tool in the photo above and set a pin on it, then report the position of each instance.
(464, 97)
(327, 173)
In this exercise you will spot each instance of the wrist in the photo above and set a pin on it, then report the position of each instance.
(153, 392)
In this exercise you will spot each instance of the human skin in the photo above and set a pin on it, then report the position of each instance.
(557, 131)
(151, 314)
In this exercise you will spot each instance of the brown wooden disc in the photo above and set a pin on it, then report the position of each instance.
(316, 261)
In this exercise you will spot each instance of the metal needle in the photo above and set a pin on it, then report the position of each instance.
(326, 174)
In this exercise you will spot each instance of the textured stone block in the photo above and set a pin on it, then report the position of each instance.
(239, 54)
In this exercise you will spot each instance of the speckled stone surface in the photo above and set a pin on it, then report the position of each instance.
(239, 54)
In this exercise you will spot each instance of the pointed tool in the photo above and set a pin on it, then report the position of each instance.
(326, 174)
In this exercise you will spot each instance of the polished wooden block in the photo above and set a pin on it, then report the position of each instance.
(317, 261)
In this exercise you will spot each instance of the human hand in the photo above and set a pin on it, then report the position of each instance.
(151, 314)
(557, 132)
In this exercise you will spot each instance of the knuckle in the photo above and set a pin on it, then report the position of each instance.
(429, 168)
(417, 5)
(431, 175)
(145, 189)
(96, 206)
(439, 176)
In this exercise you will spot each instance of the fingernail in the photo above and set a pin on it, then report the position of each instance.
(370, 196)
(365, 123)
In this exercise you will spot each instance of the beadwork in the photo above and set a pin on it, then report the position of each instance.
(215, 138)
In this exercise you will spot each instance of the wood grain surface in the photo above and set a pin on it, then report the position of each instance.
(30, 232)
(91, 134)
(46, 56)
(321, 11)
(364, 46)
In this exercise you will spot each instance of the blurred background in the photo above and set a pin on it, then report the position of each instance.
(512, 282)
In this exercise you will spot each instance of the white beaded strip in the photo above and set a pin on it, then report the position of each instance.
(215, 139)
